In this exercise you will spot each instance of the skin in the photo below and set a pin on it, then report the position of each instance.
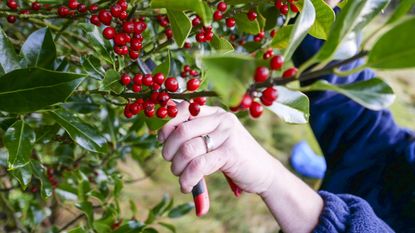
(294, 205)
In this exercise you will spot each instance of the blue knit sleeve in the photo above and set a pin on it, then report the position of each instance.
(347, 213)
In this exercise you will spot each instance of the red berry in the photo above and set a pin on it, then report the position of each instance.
(93, 8)
(158, 78)
(194, 73)
(136, 44)
(261, 74)
(36, 6)
(169, 33)
(171, 84)
(278, 4)
(128, 27)
(139, 27)
(125, 79)
(11, 19)
(196, 21)
(293, 8)
(109, 33)
(230, 22)
(164, 23)
(291, 72)
(277, 62)
(273, 33)
(270, 94)
(73, 4)
(252, 15)
(12, 4)
(116, 10)
(149, 111)
(163, 98)
(217, 15)
(172, 111)
(187, 45)
(127, 112)
(200, 37)
(256, 109)
(284, 9)
(120, 39)
(187, 68)
(63, 11)
(194, 109)
(123, 4)
(268, 55)
(135, 108)
(105, 17)
(95, 20)
(82, 8)
(162, 112)
(134, 54)
(138, 79)
(137, 88)
(246, 101)
(148, 80)
(123, 15)
(265, 101)
(222, 6)
(208, 36)
(193, 84)
(200, 100)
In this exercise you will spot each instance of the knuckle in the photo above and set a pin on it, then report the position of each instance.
(182, 130)
(187, 150)
(197, 164)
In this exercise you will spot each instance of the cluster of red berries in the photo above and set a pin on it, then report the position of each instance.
(73, 6)
(205, 34)
(159, 89)
(164, 22)
(13, 5)
(126, 35)
(285, 6)
(52, 179)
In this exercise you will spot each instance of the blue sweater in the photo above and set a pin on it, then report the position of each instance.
(368, 156)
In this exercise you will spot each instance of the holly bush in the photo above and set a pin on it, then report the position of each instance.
(86, 84)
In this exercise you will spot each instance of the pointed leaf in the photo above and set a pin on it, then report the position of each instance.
(82, 133)
(221, 44)
(197, 6)
(39, 172)
(9, 60)
(32, 89)
(324, 19)
(291, 106)
(164, 67)
(19, 140)
(92, 66)
(111, 82)
(39, 49)
(245, 25)
(181, 210)
(181, 26)
(23, 175)
(282, 38)
(401, 10)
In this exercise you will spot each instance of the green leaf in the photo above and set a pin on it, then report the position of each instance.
(92, 66)
(9, 60)
(181, 26)
(324, 19)
(270, 15)
(164, 67)
(23, 175)
(94, 36)
(197, 6)
(181, 210)
(39, 172)
(168, 226)
(81, 104)
(19, 140)
(373, 94)
(77, 230)
(131, 226)
(229, 74)
(39, 49)
(395, 49)
(402, 9)
(111, 82)
(291, 106)
(282, 38)
(87, 208)
(246, 25)
(353, 16)
(86, 136)
(301, 27)
(150, 230)
(221, 44)
(32, 89)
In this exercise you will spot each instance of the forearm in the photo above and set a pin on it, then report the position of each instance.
(294, 205)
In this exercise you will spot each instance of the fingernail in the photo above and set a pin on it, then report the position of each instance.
(160, 138)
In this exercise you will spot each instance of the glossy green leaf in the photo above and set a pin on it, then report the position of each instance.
(181, 210)
(39, 171)
(9, 60)
(111, 82)
(82, 104)
(282, 38)
(19, 140)
(301, 27)
(32, 89)
(271, 16)
(131, 226)
(197, 6)
(83, 134)
(401, 10)
(291, 106)
(94, 36)
(245, 25)
(229, 75)
(373, 94)
(164, 67)
(181, 26)
(354, 15)
(324, 19)
(39, 49)
(221, 45)
(92, 66)
(395, 49)
(23, 175)
(6, 122)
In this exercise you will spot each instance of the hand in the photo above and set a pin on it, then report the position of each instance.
(235, 152)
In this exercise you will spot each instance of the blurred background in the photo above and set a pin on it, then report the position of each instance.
(248, 213)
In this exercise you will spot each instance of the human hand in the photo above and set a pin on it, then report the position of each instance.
(235, 152)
